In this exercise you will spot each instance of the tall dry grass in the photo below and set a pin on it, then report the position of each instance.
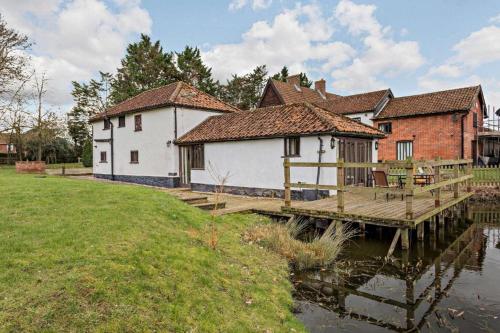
(320, 251)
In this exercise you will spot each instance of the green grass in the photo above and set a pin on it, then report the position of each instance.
(49, 166)
(79, 255)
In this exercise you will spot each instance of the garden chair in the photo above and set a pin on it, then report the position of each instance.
(380, 180)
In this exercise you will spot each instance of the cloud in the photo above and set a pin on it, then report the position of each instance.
(256, 4)
(478, 49)
(295, 38)
(75, 39)
(382, 56)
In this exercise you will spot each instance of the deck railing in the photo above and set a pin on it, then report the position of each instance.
(461, 172)
(486, 176)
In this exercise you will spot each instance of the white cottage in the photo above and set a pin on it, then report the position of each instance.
(250, 146)
(134, 140)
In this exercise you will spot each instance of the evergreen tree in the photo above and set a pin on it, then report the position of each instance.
(244, 91)
(90, 99)
(145, 66)
(87, 154)
(283, 74)
(193, 71)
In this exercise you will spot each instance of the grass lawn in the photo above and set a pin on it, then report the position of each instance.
(79, 255)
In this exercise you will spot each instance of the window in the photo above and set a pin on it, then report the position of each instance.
(134, 156)
(121, 121)
(107, 124)
(197, 156)
(358, 119)
(138, 122)
(404, 149)
(104, 157)
(474, 120)
(385, 127)
(292, 147)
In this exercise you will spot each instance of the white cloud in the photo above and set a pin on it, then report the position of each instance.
(75, 39)
(480, 47)
(382, 56)
(293, 38)
(256, 4)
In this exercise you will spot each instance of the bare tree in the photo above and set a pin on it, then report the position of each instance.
(13, 70)
(40, 91)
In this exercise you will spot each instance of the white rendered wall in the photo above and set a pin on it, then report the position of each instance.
(156, 157)
(366, 117)
(259, 163)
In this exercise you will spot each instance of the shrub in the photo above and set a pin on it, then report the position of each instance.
(87, 154)
(321, 250)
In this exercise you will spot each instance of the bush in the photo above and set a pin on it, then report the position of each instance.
(322, 250)
(87, 154)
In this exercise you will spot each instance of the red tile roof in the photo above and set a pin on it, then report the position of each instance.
(178, 94)
(276, 121)
(291, 93)
(366, 102)
(436, 102)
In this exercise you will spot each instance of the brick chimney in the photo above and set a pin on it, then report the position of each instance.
(294, 79)
(320, 86)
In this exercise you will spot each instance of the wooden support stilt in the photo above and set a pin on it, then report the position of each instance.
(432, 225)
(405, 239)
(362, 229)
(420, 231)
(394, 242)
(338, 227)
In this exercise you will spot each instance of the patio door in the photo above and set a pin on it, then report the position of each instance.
(356, 151)
(185, 165)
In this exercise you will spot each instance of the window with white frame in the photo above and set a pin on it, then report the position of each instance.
(404, 150)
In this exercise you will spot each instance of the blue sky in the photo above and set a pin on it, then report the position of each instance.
(356, 45)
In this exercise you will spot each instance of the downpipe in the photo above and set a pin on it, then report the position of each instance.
(318, 172)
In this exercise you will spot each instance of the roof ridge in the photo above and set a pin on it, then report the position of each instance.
(205, 93)
(320, 116)
(141, 93)
(438, 92)
(365, 93)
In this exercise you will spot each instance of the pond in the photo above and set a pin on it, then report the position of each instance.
(450, 282)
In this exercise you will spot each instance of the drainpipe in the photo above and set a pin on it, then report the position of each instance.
(175, 122)
(112, 142)
(318, 173)
(462, 136)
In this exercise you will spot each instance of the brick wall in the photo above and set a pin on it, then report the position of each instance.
(432, 136)
(30, 167)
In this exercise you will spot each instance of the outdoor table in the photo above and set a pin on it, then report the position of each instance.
(427, 177)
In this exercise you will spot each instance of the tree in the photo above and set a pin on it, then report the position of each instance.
(283, 74)
(193, 71)
(87, 154)
(90, 99)
(245, 91)
(145, 66)
(13, 73)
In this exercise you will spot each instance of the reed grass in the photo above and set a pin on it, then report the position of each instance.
(320, 250)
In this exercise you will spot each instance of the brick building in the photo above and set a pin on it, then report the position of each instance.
(441, 124)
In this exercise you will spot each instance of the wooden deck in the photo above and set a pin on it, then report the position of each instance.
(364, 208)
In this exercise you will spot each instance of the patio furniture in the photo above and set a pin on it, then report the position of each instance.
(380, 180)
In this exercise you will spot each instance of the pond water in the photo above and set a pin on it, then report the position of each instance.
(448, 283)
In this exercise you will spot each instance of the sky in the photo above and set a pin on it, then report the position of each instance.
(355, 45)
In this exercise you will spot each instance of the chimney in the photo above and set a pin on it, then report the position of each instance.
(320, 86)
(294, 79)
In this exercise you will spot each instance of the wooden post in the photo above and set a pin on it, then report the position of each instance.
(362, 229)
(405, 239)
(455, 176)
(340, 185)
(394, 242)
(420, 231)
(468, 171)
(437, 179)
(288, 194)
(409, 190)
(338, 227)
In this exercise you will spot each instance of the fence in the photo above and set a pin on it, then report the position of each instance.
(461, 172)
(486, 176)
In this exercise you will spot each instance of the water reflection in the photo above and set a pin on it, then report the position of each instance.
(449, 282)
